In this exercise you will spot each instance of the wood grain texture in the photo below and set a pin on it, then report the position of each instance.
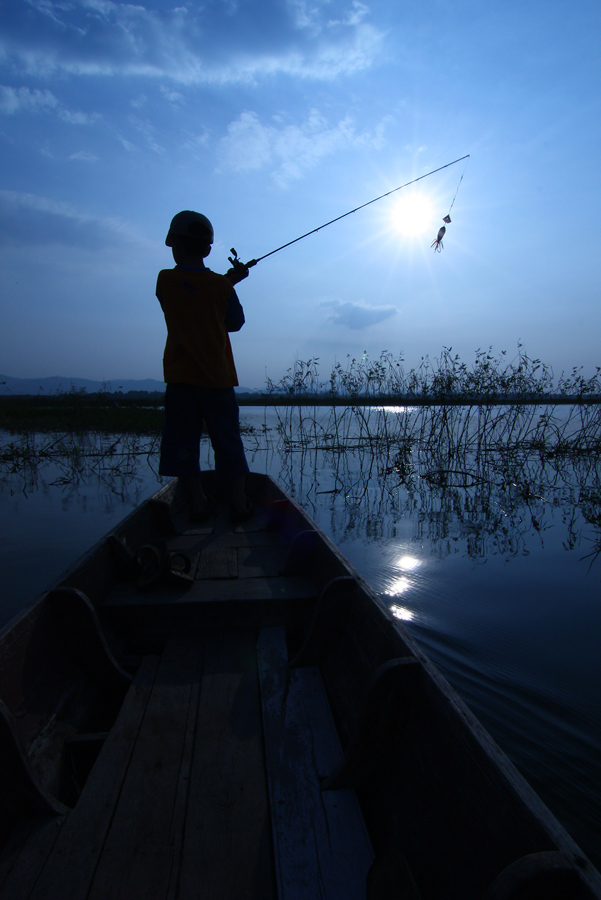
(227, 845)
(321, 846)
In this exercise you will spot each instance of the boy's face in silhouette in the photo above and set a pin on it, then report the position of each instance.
(189, 250)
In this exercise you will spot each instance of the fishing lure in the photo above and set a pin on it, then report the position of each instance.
(437, 243)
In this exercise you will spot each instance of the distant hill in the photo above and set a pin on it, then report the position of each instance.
(59, 385)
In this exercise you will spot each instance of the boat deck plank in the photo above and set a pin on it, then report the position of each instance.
(177, 799)
(227, 844)
(138, 852)
(322, 848)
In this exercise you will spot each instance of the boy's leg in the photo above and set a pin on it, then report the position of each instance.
(237, 495)
(222, 419)
(180, 444)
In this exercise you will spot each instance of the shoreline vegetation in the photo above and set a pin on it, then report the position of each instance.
(447, 381)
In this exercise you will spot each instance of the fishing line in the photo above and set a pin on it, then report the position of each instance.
(253, 262)
(437, 242)
(467, 158)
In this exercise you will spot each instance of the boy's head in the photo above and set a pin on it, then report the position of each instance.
(190, 235)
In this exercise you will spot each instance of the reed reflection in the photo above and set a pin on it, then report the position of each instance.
(481, 480)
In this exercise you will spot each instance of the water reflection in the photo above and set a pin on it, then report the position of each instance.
(480, 480)
(60, 494)
(408, 563)
(401, 612)
(398, 586)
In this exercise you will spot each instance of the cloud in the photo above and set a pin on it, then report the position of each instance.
(290, 149)
(187, 45)
(15, 100)
(354, 15)
(357, 316)
(148, 132)
(308, 15)
(173, 97)
(84, 156)
(32, 220)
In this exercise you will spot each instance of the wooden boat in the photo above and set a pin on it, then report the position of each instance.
(229, 711)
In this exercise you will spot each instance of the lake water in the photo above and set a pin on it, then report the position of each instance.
(481, 537)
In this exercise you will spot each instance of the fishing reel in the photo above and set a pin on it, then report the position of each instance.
(236, 261)
(239, 269)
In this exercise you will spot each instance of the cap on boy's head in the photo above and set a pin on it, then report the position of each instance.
(190, 224)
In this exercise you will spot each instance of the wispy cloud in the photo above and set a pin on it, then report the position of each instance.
(186, 45)
(15, 100)
(310, 15)
(357, 316)
(32, 220)
(84, 156)
(289, 149)
(148, 133)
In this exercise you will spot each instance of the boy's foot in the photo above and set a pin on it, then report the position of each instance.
(201, 512)
(243, 512)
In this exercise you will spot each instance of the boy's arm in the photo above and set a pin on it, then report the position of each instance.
(234, 316)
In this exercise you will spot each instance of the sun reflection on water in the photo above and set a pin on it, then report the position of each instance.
(398, 586)
(401, 612)
(408, 565)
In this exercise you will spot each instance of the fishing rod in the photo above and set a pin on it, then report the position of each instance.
(253, 262)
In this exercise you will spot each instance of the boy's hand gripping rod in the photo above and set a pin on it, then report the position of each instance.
(237, 263)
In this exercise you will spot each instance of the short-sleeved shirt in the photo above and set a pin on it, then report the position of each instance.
(200, 308)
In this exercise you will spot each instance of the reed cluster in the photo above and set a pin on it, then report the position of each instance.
(74, 457)
(490, 378)
(472, 465)
(483, 472)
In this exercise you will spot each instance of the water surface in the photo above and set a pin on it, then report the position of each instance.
(488, 559)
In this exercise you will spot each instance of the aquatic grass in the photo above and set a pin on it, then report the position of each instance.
(484, 472)
(490, 378)
(487, 453)
(74, 457)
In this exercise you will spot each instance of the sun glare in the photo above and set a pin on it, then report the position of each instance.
(413, 215)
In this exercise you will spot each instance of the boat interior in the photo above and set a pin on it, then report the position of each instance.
(227, 710)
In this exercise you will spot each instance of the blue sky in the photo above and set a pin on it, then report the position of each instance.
(272, 118)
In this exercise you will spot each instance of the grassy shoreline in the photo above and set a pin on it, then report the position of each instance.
(19, 414)
(26, 413)
(490, 381)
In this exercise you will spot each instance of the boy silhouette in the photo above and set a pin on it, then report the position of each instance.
(201, 308)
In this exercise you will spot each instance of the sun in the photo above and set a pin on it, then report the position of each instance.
(413, 214)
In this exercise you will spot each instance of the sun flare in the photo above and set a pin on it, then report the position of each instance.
(413, 215)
